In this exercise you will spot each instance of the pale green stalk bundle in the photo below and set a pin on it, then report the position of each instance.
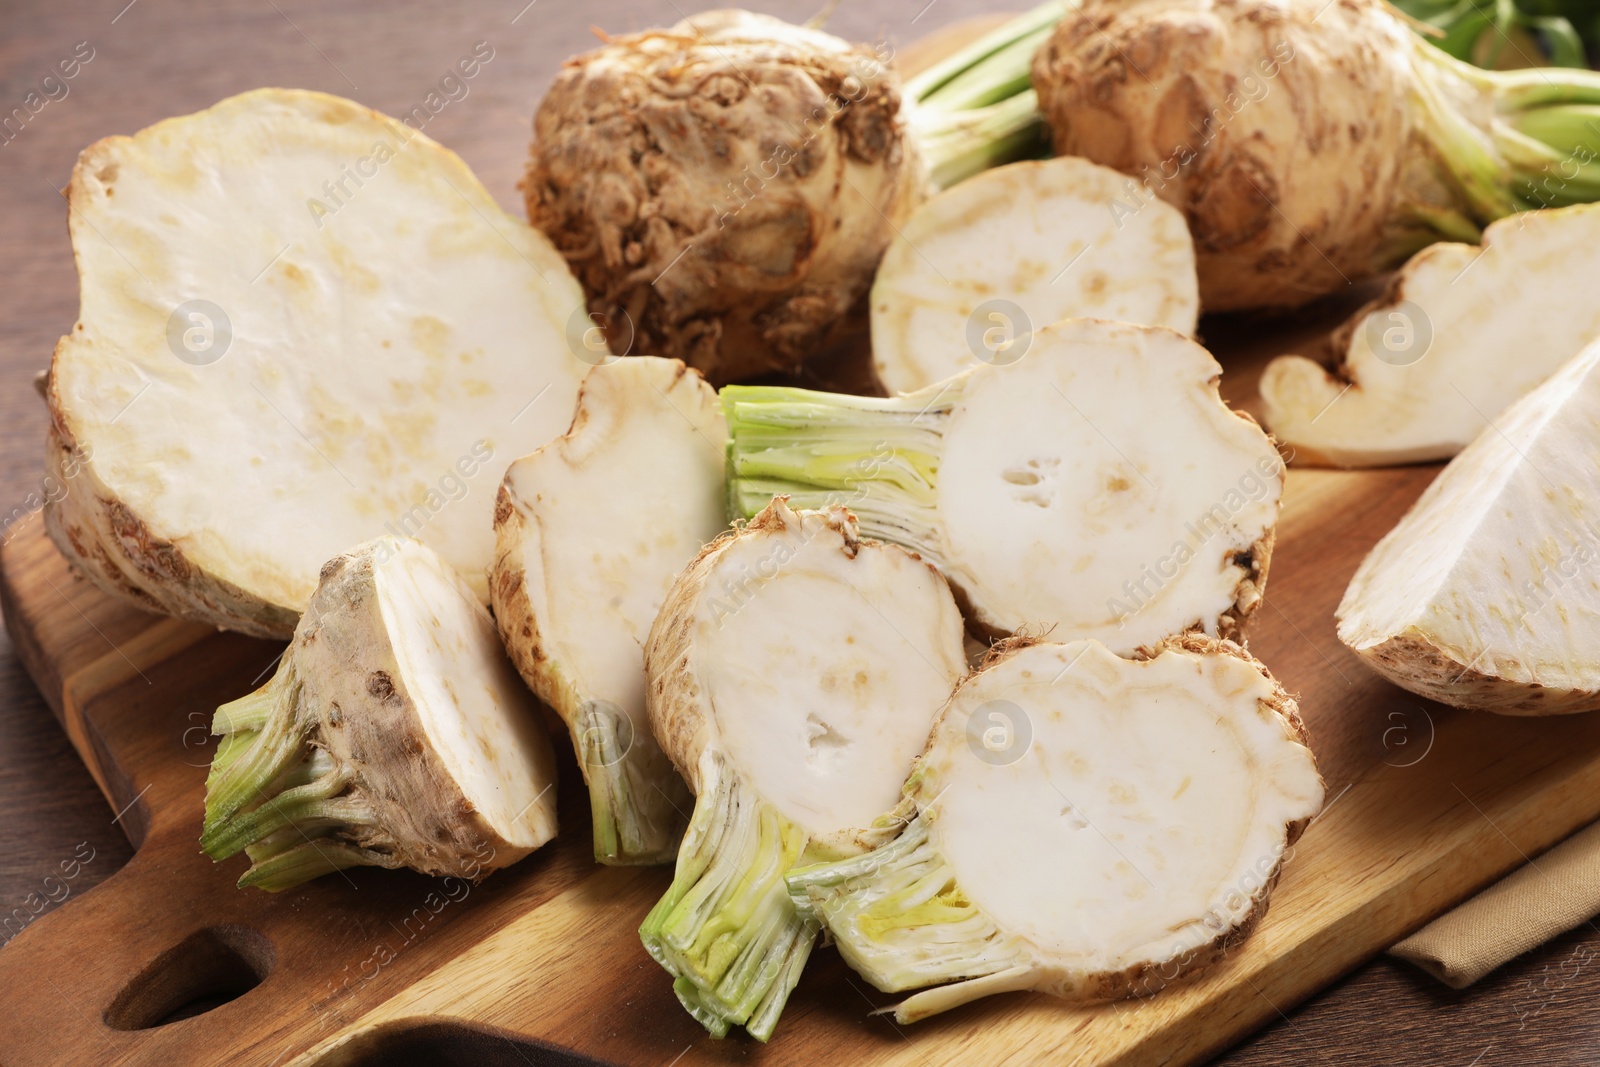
(1311, 143)
(1484, 594)
(395, 733)
(724, 188)
(591, 531)
(1080, 824)
(1095, 485)
(793, 674)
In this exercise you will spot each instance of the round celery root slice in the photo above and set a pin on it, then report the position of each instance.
(793, 674)
(1462, 332)
(1080, 824)
(1099, 487)
(1081, 241)
(395, 733)
(1484, 594)
(265, 372)
(591, 531)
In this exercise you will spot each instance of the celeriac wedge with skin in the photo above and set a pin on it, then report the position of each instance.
(793, 674)
(1462, 332)
(395, 733)
(303, 325)
(591, 531)
(981, 265)
(1099, 487)
(1080, 824)
(1485, 595)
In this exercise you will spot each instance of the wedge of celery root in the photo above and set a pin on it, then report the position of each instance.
(950, 292)
(1099, 487)
(591, 531)
(395, 733)
(793, 674)
(270, 366)
(1080, 824)
(1485, 594)
(1462, 332)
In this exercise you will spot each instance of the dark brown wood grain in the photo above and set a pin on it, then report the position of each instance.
(156, 58)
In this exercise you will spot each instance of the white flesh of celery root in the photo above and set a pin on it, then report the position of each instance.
(793, 674)
(1053, 239)
(1080, 824)
(376, 340)
(1099, 487)
(1487, 594)
(592, 529)
(1462, 332)
(394, 733)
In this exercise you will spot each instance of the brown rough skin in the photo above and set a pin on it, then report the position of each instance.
(1413, 662)
(1279, 127)
(723, 190)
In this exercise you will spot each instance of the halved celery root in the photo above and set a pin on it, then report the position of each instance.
(591, 530)
(264, 373)
(793, 674)
(1079, 241)
(1485, 595)
(395, 733)
(1462, 332)
(1097, 488)
(1080, 824)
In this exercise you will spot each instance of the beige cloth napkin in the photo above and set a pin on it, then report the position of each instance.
(1526, 908)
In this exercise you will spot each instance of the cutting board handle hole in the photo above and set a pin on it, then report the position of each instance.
(205, 970)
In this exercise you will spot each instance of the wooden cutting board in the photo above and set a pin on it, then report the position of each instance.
(1426, 806)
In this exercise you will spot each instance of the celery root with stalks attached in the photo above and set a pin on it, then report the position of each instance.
(1080, 824)
(725, 187)
(1098, 486)
(1019, 247)
(1311, 143)
(269, 367)
(1462, 332)
(592, 529)
(793, 674)
(395, 733)
(1484, 595)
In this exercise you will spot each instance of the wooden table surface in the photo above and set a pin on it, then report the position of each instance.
(155, 58)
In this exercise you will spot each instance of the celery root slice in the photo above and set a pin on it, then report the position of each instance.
(1080, 824)
(394, 733)
(1080, 241)
(1484, 595)
(1099, 487)
(1462, 332)
(303, 325)
(591, 531)
(793, 674)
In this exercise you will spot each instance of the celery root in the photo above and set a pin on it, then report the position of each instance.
(1462, 332)
(1311, 143)
(1484, 594)
(1080, 824)
(793, 674)
(981, 265)
(1098, 487)
(395, 733)
(592, 529)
